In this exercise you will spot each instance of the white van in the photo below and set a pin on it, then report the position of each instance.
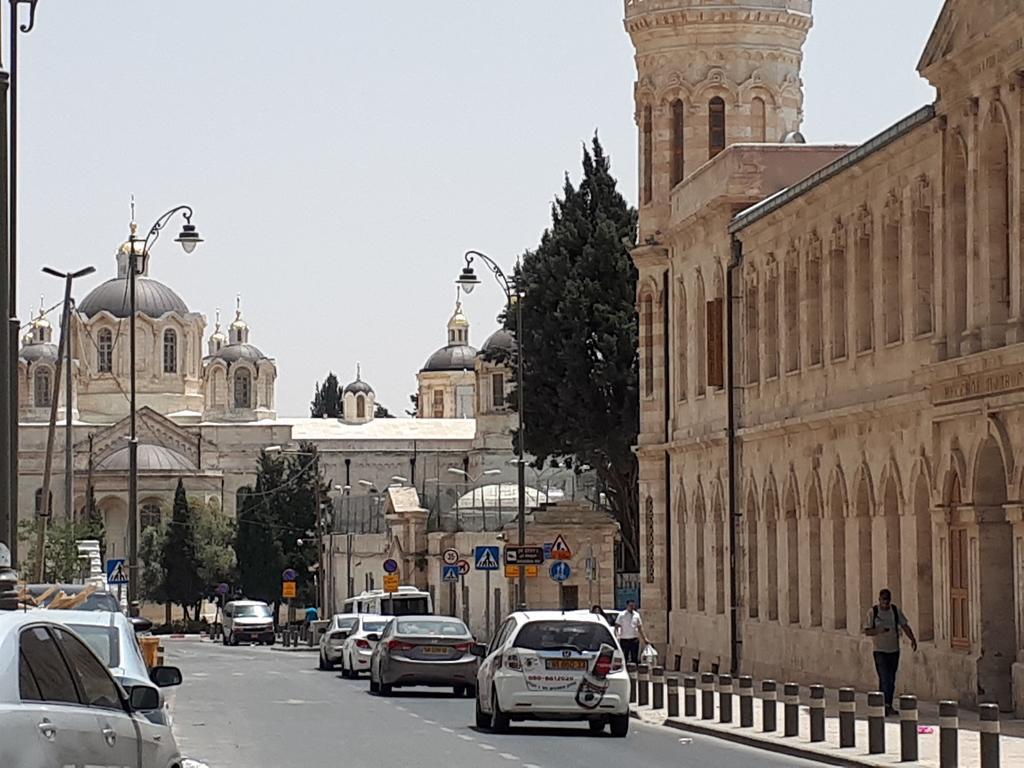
(248, 621)
(407, 601)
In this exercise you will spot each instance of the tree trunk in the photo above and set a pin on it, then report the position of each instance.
(167, 613)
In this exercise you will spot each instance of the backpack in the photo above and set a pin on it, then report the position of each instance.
(895, 615)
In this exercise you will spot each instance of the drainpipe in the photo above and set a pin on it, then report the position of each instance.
(667, 393)
(735, 643)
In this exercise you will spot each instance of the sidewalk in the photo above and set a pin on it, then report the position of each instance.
(1011, 740)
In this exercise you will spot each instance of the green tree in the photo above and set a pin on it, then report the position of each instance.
(296, 506)
(579, 339)
(327, 402)
(93, 526)
(215, 539)
(257, 546)
(152, 577)
(414, 398)
(380, 412)
(61, 564)
(180, 555)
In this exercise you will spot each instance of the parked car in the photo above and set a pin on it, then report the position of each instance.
(549, 665)
(422, 650)
(333, 639)
(248, 621)
(59, 704)
(357, 648)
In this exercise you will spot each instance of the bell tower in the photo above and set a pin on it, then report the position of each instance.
(710, 73)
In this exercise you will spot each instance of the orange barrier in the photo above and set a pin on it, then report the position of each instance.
(150, 650)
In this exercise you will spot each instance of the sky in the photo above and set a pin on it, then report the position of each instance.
(341, 156)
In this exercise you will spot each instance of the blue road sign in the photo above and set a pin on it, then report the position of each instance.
(547, 549)
(487, 559)
(390, 566)
(560, 571)
(223, 589)
(450, 573)
(117, 572)
(289, 574)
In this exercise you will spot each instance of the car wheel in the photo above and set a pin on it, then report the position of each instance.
(596, 726)
(232, 640)
(459, 690)
(483, 720)
(374, 686)
(470, 691)
(500, 721)
(224, 639)
(385, 689)
(322, 664)
(328, 664)
(620, 725)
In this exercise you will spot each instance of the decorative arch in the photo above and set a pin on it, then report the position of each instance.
(42, 386)
(682, 562)
(892, 508)
(719, 553)
(956, 180)
(838, 511)
(996, 433)
(700, 523)
(700, 333)
(755, 87)
(676, 89)
(791, 530)
(954, 476)
(647, 339)
(751, 513)
(862, 520)
(717, 83)
(771, 537)
(813, 511)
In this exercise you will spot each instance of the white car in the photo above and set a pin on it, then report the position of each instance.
(357, 648)
(332, 639)
(59, 705)
(550, 665)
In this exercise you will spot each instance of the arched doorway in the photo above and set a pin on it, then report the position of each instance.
(995, 565)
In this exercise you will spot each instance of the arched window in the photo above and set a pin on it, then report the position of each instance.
(771, 322)
(360, 407)
(837, 513)
(243, 388)
(647, 314)
(647, 172)
(498, 391)
(720, 553)
(105, 351)
(792, 310)
(716, 126)
(682, 340)
(892, 272)
(814, 320)
(792, 556)
(814, 551)
(924, 269)
(678, 141)
(150, 516)
(753, 337)
(43, 389)
(957, 255)
(995, 216)
(700, 521)
(759, 120)
(753, 580)
(700, 337)
(837, 292)
(771, 538)
(170, 351)
(863, 271)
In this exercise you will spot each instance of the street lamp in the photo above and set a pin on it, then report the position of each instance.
(138, 253)
(513, 294)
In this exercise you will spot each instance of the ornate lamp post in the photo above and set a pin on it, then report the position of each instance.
(513, 295)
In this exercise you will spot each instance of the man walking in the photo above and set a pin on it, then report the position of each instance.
(884, 623)
(630, 629)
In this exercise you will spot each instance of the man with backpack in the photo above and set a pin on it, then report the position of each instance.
(884, 624)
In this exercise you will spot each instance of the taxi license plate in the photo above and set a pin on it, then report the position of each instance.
(435, 650)
(572, 664)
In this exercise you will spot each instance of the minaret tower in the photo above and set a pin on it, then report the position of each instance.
(710, 73)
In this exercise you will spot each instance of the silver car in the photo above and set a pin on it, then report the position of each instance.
(423, 650)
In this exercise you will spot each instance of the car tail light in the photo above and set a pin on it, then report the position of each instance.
(399, 645)
(603, 665)
(512, 661)
(360, 643)
(617, 664)
(462, 647)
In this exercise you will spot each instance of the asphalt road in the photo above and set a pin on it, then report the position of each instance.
(258, 708)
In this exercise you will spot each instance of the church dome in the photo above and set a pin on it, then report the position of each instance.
(502, 340)
(153, 458)
(232, 353)
(36, 353)
(152, 298)
(359, 386)
(454, 357)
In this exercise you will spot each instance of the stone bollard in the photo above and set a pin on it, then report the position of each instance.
(988, 729)
(631, 669)
(643, 688)
(707, 696)
(847, 717)
(949, 735)
(791, 709)
(159, 655)
(658, 688)
(746, 701)
(724, 699)
(769, 707)
(672, 691)
(689, 696)
(817, 715)
(908, 729)
(876, 723)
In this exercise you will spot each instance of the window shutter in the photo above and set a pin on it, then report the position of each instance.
(716, 361)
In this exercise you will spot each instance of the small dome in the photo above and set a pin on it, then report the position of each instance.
(502, 340)
(458, 319)
(455, 357)
(152, 298)
(234, 352)
(152, 458)
(38, 353)
(794, 137)
(359, 386)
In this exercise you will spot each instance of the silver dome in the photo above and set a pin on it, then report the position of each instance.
(35, 353)
(152, 458)
(502, 340)
(152, 298)
(359, 386)
(457, 357)
(232, 353)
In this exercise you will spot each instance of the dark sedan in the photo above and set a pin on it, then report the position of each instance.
(423, 650)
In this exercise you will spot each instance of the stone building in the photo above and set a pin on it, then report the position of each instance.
(831, 372)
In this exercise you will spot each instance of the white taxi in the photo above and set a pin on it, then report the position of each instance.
(553, 665)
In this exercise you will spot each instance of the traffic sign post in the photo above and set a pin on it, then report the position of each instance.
(560, 571)
(391, 582)
(524, 555)
(487, 558)
(290, 574)
(450, 573)
(463, 566)
(117, 573)
(390, 566)
(288, 589)
(450, 556)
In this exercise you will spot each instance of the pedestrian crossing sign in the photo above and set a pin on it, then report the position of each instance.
(117, 573)
(487, 558)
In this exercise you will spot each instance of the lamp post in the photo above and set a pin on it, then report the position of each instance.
(138, 253)
(513, 294)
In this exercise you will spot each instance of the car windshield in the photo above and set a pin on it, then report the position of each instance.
(404, 606)
(252, 611)
(346, 623)
(431, 627)
(563, 635)
(103, 640)
(374, 626)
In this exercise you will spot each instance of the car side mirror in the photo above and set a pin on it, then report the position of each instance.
(165, 677)
(143, 698)
(479, 650)
(139, 624)
(373, 637)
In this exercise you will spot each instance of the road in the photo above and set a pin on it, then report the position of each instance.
(259, 708)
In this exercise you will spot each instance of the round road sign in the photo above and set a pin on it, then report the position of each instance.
(223, 589)
(390, 566)
(289, 574)
(450, 556)
(463, 567)
(560, 571)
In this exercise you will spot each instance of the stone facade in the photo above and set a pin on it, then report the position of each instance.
(853, 417)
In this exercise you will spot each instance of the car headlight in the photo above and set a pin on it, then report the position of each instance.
(190, 762)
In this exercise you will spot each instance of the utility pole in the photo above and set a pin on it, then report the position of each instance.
(8, 310)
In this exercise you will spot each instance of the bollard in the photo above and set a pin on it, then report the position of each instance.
(876, 723)
(724, 699)
(631, 669)
(988, 729)
(769, 708)
(707, 696)
(746, 701)
(817, 713)
(949, 735)
(658, 688)
(643, 690)
(689, 696)
(672, 689)
(791, 709)
(908, 729)
(159, 655)
(847, 717)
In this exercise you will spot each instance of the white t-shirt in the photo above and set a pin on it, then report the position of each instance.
(629, 625)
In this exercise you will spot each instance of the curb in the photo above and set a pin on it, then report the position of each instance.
(300, 649)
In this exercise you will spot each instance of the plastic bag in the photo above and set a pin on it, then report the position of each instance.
(649, 655)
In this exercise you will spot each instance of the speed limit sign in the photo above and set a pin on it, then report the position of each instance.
(450, 556)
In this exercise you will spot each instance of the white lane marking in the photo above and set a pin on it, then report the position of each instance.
(507, 756)
(464, 737)
(530, 765)
(412, 714)
(486, 746)
(447, 730)
(400, 708)
(237, 674)
(430, 722)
